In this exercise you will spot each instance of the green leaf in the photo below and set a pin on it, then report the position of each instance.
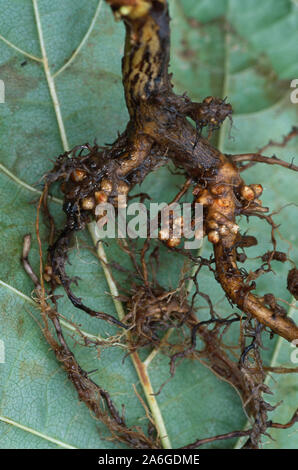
(246, 50)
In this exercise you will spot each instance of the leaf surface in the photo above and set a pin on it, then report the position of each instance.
(246, 50)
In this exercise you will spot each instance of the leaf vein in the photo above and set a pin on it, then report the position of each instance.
(21, 51)
(83, 41)
(58, 442)
(17, 180)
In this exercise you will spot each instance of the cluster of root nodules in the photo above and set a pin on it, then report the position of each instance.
(163, 319)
